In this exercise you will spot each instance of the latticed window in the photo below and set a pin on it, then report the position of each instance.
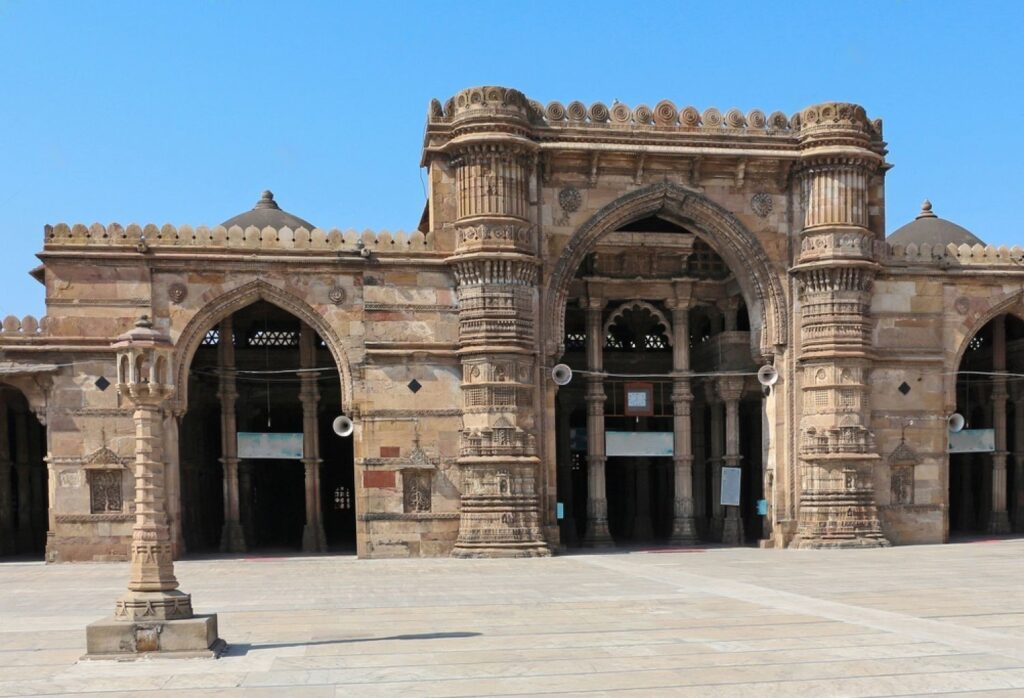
(274, 338)
(579, 461)
(212, 338)
(575, 341)
(105, 491)
(613, 342)
(821, 398)
(848, 398)
(976, 343)
(655, 341)
(705, 263)
(342, 498)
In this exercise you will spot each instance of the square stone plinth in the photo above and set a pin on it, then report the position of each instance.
(111, 638)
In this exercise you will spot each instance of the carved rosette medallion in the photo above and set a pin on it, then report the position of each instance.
(762, 204)
(570, 199)
(177, 292)
(336, 295)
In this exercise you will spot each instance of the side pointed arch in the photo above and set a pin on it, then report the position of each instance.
(739, 248)
(221, 307)
(1009, 304)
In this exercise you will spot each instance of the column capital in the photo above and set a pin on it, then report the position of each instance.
(730, 388)
(593, 302)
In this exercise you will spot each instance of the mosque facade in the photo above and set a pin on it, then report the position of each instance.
(613, 326)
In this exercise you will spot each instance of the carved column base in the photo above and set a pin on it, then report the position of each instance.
(998, 523)
(838, 520)
(499, 527)
(732, 527)
(186, 638)
(313, 538)
(598, 535)
(684, 531)
(232, 538)
(153, 605)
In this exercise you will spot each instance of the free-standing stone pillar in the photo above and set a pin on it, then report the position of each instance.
(684, 531)
(313, 538)
(6, 491)
(999, 521)
(154, 616)
(731, 390)
(232, 538)
(597, 534)
(24, 468)
(1017, 498)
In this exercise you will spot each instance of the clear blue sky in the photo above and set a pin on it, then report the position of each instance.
(181, 112)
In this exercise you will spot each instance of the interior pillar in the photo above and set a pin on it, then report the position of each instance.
(684, 531)
(642, 527)
(715, 461)
(232, 536)
(6, 504)
(564, 460)
(24, 468)
(999, 521)
(597, 495)
(313, 538)
(731, 389)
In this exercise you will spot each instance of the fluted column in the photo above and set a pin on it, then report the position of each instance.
(684, 531)
(232, 537)
(597, 534)
(731, 390)
(313, 538)
(24, 468)
(999, 521)
(842, 153)
(6, 491)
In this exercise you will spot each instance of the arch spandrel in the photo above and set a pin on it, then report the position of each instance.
(963, 332)
(191, 336)
(739, 248)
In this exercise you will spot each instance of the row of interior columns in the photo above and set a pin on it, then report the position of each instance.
(21, 533)
(725, 520)
(233, 535)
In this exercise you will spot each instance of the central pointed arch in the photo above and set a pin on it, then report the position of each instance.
(213, 312)
(738, 247)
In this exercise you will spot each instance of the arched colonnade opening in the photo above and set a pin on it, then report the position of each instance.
(986, 459)
(260, 465)
(24, 492)
(655, 314)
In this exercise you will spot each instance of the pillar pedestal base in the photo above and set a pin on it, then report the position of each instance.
(313, 539)
(597, 535)
(684, 531)
(232, 538)
(113, 638)
(998, 523)
(732, 529)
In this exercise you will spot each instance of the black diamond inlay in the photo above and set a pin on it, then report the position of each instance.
(102, 383)
(904, 388)
(414, 385)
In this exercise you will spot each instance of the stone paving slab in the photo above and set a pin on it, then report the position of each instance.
(926, 620)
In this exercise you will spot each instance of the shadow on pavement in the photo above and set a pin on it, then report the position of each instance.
(242, 648)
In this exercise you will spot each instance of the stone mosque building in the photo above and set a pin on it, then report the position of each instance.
(665, 255)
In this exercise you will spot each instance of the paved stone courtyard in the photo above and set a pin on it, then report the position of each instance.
(902, 621)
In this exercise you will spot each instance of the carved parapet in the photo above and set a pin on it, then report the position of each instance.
(483, 102)
(148, 237)
(28, 326)
(836, 123)
(947, 256)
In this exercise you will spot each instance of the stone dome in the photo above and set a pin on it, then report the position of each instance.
(929, 228)
(265, 213)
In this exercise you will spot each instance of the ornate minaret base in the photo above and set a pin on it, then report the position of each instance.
(154, 616)
(837, 512)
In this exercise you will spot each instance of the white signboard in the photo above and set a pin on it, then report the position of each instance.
(972, 441)
(731, 487)
(638, 443)
(253, 444)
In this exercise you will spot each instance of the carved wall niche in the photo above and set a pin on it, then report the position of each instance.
(105, 476)
(416, 486)
(901, 464)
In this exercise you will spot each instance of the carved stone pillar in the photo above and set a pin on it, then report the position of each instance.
(154, 615)
(565, 485)
(232, 538)
(842, 155)
(313, 538)
(7, 545)
(495, 265)
(643, 529)
(1017, 497)
(24, 469)
(684, 531)
(716, 450)
(730, 388)
(597, 494)
(730, 313)
(999, 520)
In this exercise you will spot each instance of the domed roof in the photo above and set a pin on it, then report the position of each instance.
(265, 213)
(929, 228)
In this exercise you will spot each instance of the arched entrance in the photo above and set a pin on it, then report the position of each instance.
(666, 409)
(261, 468)
(23, 486)
(986, 460)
